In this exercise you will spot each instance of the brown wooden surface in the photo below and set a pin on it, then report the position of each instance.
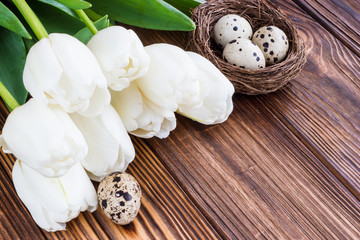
(284, 165)
(340, 18)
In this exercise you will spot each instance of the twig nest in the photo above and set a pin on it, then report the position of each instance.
(258, 13)
(119, 196)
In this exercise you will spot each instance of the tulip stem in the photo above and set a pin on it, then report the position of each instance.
(31, 19)
(86, 20)
(92, 15)
(9, 100)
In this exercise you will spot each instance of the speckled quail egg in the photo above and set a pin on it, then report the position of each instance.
(273, 42)
(244, 53)
(230, 27)
(119, 196)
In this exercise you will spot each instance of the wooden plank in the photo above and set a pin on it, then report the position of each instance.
(322, 106)
(253, 178)
(315, 146)
(166, 212)
(340, 17)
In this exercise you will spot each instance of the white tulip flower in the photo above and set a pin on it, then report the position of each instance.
(44, 137)
(141, 117)
(52, 202)
(216, 92)
(61, 70)
(121, 55)
(110, 147)
(172, 79)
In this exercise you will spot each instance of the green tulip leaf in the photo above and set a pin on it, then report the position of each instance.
(55, 21)
(75, 4)
(153, 14)
(10, 21)
(29, 43)
(185, 6)
(84, 35)
(12, 62)
(60, 6)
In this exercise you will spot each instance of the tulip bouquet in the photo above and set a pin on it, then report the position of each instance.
(85, 101)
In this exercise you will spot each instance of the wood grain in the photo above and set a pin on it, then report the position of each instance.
(318, 115)
(340, 17)
(322, 106)
(166, 211)
(258, 181)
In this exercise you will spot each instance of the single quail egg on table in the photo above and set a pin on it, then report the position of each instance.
(244, 53)
(273, 42)
(119, 196)
(230, 27)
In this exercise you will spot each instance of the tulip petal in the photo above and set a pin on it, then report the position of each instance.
(215, 90)
(44, 137)
(121, 55)
(116, 128)
(38, 79)
(31, 200)
(171, 81)
(97, 103)
(141, 117)
(110, 147)
(79, 64)
(81, 196)
(3, 144)
(129, 104)
(61, 70)
(54, 201)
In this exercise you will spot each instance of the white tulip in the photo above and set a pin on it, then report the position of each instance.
(110, 147)
(43, 137)
(216, 92)
(61, 70)
(141, 117)
(52, 202)
(121, 55)
(172, 79)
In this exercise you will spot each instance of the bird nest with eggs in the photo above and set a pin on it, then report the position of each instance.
(272, 70)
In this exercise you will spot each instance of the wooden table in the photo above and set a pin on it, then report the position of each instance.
(284, 166)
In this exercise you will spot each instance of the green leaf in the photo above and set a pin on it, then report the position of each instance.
(84, 35)
(185, 6)
(60, 6)
(55, 20)
(28, 44)
(154, 14)
(75, 4)
(10, 21)
(12, 62)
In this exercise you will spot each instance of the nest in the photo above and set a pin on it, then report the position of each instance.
(259, 13)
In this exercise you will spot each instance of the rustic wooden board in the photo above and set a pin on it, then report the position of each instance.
(323, 104)
(285, 165)
(340, 17)
(253, 178)
(320, 109)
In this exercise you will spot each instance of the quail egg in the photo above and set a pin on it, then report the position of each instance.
(273, 42)
(230, 27)
(244, 53)
(119, 196)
